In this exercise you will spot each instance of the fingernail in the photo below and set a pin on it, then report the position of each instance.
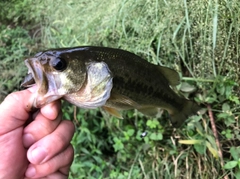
(38, 155)
(28, 140)
(31, 171)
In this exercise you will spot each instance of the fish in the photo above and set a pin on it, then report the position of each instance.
(114, 79)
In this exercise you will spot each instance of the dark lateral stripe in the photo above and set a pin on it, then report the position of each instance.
(131, 87)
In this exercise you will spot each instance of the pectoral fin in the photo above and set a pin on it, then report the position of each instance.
(122, 102)
(113, 112)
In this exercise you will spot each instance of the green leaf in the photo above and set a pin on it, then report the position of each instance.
(156, 136)
(85, 151)
(118, 144)
(225, 107)
(211, 99)
(200, 148)
(186, 87)
(237, 174)
(153, 123)
(234, 99)
(235, 152)
(230, 164)
(229, 133)
(130, 132)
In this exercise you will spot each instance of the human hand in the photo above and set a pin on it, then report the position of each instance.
(39, 149)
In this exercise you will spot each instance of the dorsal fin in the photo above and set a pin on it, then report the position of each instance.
(171, 75)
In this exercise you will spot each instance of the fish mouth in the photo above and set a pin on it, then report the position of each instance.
(47, 84)
(35, 76)
(28, 81)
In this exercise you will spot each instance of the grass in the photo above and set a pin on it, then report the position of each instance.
(14, 46)
(198, 39)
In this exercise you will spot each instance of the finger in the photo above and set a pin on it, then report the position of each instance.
(44, 123)
(57, 166)
(39, 128)
(52, 144)
(56, 175)
(14, 110)
(51, 110)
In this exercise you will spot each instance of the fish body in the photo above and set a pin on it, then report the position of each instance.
(114, 79)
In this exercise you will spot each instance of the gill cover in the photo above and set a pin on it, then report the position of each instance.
(97, 88)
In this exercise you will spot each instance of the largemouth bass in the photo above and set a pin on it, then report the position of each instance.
(91, 77)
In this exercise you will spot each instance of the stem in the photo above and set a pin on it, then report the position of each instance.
(198, 79)
(214, 129)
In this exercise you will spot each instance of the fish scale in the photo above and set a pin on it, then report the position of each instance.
(127, 83)
(105, 77)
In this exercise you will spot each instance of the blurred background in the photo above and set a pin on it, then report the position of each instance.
(199, 39)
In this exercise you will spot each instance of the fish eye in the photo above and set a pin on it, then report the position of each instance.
(59, 64)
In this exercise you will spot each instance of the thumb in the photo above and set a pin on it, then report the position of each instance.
(15, 109)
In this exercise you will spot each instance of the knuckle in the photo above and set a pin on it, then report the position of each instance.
(13, 97)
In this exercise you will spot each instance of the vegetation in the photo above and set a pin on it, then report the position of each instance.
(199, 39)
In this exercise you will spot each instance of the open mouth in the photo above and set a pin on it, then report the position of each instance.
(36, 76)
(28, 81)
(46, 87)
